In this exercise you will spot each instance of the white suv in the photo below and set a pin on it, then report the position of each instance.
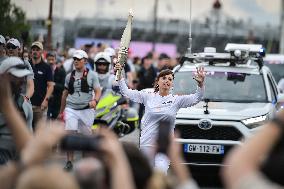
(240, 96)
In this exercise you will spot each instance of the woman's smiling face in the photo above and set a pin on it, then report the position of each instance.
(165, 82)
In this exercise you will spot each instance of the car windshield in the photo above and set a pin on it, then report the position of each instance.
(224, 86)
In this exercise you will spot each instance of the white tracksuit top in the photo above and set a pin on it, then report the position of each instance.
(158, 108)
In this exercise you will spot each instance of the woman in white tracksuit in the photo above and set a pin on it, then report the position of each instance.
(160, 105)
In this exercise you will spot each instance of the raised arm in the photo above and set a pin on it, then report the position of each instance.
(185, 101)
(14, 120)
(179, 169)
(134, 95)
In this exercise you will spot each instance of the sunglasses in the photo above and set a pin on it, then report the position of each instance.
(11, 46)
(74, 58)
(102, 63)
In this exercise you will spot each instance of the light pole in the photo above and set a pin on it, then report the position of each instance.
(49, 26)
(282, 28)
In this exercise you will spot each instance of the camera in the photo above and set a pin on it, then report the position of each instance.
(81, 143)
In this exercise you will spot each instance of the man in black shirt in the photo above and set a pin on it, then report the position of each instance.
(59, 75)
(43, 82)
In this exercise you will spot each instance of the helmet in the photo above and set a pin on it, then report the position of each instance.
(110, 51)
(105, 59)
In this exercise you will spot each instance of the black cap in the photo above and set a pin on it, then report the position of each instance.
(163, 56)
(149, 55)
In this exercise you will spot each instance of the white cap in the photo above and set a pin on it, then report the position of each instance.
(2, 39)
(80, 54)
(14, 42)
(15, 66)
(110, 51)
(102, 55)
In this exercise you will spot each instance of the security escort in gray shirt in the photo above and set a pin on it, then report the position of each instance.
(79, 99)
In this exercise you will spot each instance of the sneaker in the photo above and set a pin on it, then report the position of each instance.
(69, 166)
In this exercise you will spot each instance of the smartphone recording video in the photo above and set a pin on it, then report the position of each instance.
(163, 140)
(81, 143)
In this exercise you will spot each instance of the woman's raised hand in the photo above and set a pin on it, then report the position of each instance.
(200, 76)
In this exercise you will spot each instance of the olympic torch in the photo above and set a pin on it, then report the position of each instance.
(124, 44)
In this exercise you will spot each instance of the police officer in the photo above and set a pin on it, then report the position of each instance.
(77, 102)
(103, 68)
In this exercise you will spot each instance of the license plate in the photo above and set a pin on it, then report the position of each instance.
(204, 148)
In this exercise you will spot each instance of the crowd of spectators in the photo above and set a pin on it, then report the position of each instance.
(32, 82)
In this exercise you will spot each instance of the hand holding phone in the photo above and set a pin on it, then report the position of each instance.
(163, 140)
(81, 143)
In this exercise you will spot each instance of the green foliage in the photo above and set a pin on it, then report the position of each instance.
(12, 20)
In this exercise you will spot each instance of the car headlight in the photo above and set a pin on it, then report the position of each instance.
(255, 121)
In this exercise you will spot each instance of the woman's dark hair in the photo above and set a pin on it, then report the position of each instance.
(162, 74)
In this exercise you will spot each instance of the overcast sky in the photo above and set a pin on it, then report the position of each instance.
(260, 11)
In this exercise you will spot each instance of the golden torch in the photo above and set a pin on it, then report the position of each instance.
(124, 44)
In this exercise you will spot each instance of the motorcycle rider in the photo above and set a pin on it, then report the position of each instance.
(107, 81)
(103, 68)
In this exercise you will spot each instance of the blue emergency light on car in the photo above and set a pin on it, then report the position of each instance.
(262, 52)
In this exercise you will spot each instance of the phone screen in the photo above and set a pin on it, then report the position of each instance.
(163, 139)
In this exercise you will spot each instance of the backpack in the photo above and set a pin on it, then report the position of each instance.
(84, 82)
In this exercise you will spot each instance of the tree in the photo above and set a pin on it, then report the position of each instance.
(12, 20)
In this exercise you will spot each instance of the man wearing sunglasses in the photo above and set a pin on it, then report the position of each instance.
(103, 68)
(13, 47)
(78, 102)
(17, 72)
(43, 82)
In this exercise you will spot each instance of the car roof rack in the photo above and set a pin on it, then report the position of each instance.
(252, 48)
